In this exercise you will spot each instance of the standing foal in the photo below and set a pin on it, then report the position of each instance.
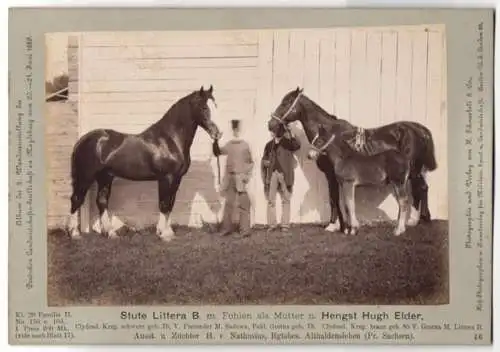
(353, 169)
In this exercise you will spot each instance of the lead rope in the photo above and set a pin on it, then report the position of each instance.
(219, 183)
(218, 170)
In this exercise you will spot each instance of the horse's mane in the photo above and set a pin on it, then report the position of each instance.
(321, 110)
(175, 106)
(172, 111)
(180, 102)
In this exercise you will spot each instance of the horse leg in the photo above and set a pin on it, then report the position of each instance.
(80, 189)
(417, 199)
(104, 182)
(348, 190)
(402, 197)
(167, 190)
(343, 209)
(425, 214)
(335, 206)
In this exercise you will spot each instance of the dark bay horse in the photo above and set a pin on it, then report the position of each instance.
(353, 168)
(410, 138)
(159, 153)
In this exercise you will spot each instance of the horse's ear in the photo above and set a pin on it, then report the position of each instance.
(201, 89)
(211, 89)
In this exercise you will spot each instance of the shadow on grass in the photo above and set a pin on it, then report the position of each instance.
(306, 266)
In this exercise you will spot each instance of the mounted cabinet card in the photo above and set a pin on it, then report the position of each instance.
(264, 176)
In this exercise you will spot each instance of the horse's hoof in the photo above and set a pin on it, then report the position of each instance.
(165, 235)
(353, 231)
(73, 232)
(412, 222)
(97, 228)
(425, 218)
(346, 230)
(332, 227)
(398, 232)
(75, 235)
(112, 235)
(166, 238)
(414, 217)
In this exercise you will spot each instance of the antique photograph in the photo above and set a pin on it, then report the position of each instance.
(287, 166)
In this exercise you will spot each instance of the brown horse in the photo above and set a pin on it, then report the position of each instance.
(412, 139)
(159, 153)
(353, 168)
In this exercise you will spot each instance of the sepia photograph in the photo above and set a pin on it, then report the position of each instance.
(273, 166)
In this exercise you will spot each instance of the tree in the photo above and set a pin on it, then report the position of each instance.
(58, 83)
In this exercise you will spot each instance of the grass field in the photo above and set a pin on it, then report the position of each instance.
(306, 266)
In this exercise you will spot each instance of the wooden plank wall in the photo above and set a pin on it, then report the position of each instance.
(61, 134)
(370, 76)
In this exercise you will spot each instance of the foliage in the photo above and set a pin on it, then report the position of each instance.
(57, 83)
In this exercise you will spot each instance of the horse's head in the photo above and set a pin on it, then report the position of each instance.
(202, 112)
(288, 111)
(323, 139)
(279, 131)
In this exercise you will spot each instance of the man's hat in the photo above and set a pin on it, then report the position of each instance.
(235, 124)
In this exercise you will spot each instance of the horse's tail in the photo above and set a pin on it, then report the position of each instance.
(423, 134)
(429, 158)
(81, 160)
(74, 162)
(73, 168)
